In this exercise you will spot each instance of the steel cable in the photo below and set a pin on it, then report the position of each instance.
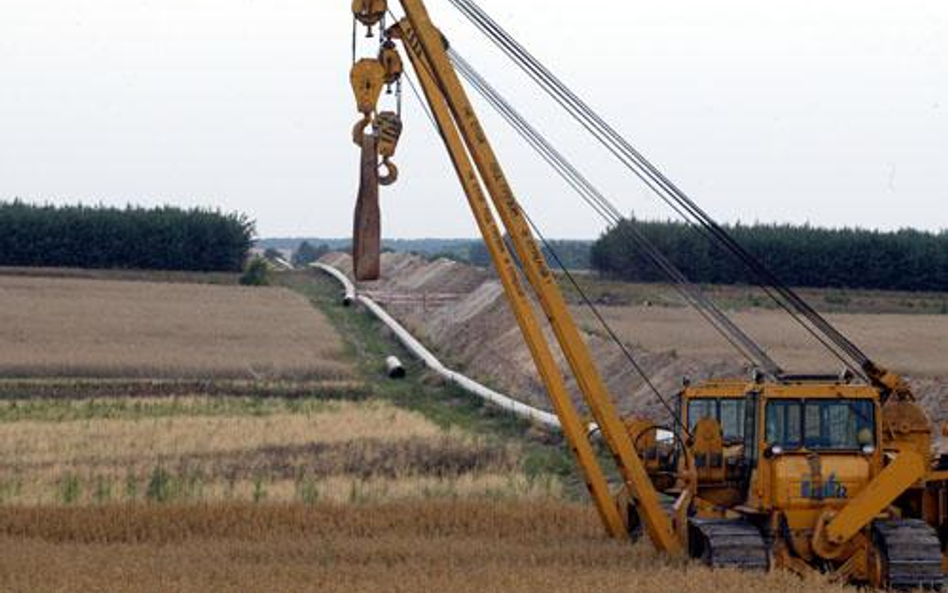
(785, 297)
(736, 337)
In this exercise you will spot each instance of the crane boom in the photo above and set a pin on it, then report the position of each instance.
(428, 42)
(572, 425)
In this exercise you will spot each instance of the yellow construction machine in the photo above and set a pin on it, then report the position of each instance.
(804, 472)
(772, 471)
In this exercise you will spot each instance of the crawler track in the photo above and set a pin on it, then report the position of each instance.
(728, 543)
(911, 554)
(636, 528)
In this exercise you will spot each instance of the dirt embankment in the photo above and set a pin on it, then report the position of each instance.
(460, 311)
(472, 328)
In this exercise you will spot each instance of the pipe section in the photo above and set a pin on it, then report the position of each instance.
(349, 291)
(485, 393)
(394, 368)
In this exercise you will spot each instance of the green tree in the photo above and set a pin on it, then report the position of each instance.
(306, 254)
(798, 255)
(163, 238)
(257, 273)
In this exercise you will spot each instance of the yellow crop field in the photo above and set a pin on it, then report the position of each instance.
(75, 327)
(351, 482)
(431, 545)
(277, 451)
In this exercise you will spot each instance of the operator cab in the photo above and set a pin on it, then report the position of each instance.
(727, 411)
(735, 426)
(809, 444)
(712, 423)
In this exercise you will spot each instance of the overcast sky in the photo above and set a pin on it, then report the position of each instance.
(833, 112)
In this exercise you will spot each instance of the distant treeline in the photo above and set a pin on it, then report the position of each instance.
(799, 255)
(163, 238)
(573, 255)
(427, 247)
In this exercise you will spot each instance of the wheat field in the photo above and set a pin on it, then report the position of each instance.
(476, 546)
(205, 449)
(75, 327)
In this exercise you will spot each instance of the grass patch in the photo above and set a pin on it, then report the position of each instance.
(90, 388)
(369, 342)
(70, 410)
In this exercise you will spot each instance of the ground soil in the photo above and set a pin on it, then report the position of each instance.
(476, 331)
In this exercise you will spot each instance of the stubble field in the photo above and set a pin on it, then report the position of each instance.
(78, 327)
(413, 546)
(378, 486)
(212, 450)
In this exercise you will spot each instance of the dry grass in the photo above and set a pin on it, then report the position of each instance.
(102, 328)
(81, 390)
(417, 546)
(124, 441)
(911, 344)
(212, 449)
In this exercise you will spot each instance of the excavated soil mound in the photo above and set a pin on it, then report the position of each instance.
(475, 331)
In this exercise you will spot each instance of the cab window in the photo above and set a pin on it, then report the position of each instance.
(839, 424)
(699, 409)
(784, 424)
(820, 424)
(732, 419)
(729, 413)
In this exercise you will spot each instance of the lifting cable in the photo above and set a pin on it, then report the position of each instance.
(637, 367)
(818, 327)
(692, 294)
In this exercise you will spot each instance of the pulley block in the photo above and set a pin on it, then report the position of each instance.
(369, 12)
(368, 78)
(392, 62)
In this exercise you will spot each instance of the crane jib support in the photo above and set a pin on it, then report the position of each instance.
(430, 45)
(570, 420)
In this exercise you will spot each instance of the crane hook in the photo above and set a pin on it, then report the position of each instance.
(391, 172)
(388, 129)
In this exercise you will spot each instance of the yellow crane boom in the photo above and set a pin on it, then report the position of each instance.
(570, 420)
(478, 167)
(431, 45)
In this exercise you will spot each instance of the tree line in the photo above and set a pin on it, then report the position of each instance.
(163, 238)
(572, 254)
(799, 255)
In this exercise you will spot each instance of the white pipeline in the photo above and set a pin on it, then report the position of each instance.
(350, 290)
(417, 349)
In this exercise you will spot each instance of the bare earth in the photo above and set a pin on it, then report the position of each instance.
(103, 328)
(477, 332)
(915, 345)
